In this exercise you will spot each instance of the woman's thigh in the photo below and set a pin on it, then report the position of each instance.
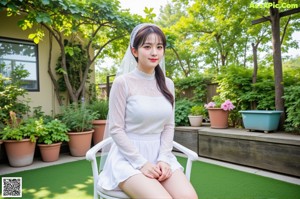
(179, 187)
(139, 186)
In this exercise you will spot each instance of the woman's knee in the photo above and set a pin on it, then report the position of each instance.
(140, 186)
(186, 195)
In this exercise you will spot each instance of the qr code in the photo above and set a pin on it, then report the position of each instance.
(11, 187)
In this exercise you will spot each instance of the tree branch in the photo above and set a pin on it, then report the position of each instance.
(284, 30)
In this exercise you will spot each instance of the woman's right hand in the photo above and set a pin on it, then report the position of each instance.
(151, 171)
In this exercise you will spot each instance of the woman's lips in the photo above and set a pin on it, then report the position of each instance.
(153, 60)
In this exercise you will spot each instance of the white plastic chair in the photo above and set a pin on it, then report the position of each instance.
(98, 191)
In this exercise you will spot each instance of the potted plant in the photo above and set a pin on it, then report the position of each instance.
(20, 139)
(100, 108)
(261, 120)
(78, 120)
(49, 143)
(218, 112)
(196, 115)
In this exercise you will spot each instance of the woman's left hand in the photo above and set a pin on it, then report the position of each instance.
(165, 171)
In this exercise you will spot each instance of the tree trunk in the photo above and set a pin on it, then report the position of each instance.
(255, 64)
(276, 44)
(54, 82)
(255, 68)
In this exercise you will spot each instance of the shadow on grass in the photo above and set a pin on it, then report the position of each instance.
(69, 180)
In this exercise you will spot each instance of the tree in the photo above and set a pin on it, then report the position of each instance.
(183, 61)
(274, 19)
(94, 24)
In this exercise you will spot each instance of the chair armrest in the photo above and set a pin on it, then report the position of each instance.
(91, 156)
(91, 153)
(191, 154)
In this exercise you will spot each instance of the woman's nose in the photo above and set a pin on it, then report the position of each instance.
(153, 52)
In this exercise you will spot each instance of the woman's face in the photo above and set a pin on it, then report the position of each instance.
(149, 54)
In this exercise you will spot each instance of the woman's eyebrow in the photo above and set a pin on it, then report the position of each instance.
(152, 43)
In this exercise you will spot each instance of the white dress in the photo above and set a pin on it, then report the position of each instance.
(141, 123)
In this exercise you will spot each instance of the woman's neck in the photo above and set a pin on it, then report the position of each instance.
(147, 71)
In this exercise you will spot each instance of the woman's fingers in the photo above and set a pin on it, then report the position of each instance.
(151, 171)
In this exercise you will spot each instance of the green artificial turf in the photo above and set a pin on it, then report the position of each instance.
(74, 180)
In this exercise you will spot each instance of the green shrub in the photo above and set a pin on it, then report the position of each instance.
(54, 131)
(198, 110)
(182, 110)
(77, 117)
(26, 129)
(292, 104)
(100, 108)
(11, 93)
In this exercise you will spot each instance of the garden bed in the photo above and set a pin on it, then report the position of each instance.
(277, 152)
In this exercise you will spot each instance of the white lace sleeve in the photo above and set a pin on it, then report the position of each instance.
(117, 107)
(167, 135)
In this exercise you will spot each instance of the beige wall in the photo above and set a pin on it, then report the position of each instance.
(45, 97)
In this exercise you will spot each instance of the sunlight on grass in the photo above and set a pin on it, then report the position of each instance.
(42, 193)
(72, 193)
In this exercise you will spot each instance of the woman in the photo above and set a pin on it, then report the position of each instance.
(141, 123)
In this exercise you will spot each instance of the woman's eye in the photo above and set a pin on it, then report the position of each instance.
(159, 47)
(147, 47)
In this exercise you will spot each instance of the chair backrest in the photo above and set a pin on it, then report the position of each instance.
(93, 153)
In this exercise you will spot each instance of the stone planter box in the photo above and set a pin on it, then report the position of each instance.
(261, 120)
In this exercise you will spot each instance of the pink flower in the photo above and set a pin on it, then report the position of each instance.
(227, 106)
(210, 105)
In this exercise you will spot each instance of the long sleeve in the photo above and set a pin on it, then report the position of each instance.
(117, 111)
(167, 135)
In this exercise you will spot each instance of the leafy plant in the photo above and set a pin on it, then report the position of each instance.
(11, 94)
(30, 128)
(198, 110)
(77, 117)
(292, 103)
(54, 131)
(99, 108)
(182, 109)
(198, 86)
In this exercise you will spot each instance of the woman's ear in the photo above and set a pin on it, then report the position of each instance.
(134, 52)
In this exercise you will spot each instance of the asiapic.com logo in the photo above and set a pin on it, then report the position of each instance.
(273, 5)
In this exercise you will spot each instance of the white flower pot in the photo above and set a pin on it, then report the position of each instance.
(195, 120)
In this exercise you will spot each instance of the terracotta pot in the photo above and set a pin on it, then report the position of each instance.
(99, 128)
(20, 153)
(218, 118)
(80, 142)
(50, 152)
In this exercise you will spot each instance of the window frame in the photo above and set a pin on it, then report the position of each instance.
(27, 42)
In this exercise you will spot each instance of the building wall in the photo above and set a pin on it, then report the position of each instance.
(45, 97)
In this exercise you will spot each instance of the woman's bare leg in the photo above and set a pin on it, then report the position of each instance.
(139, 186)
(179, 187)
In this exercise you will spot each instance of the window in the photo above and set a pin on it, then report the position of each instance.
(14, 53)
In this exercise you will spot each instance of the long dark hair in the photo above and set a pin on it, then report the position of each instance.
(139, 40)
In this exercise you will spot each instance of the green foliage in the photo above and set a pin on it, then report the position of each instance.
(99, 108)
(198, 85)
(54, 131)
(198, 110)
(76, 63)
(292, 104)
(182, 110)
(12, 95)
(77, 117)
(96, 25)
(38, 113)
(28, 129)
